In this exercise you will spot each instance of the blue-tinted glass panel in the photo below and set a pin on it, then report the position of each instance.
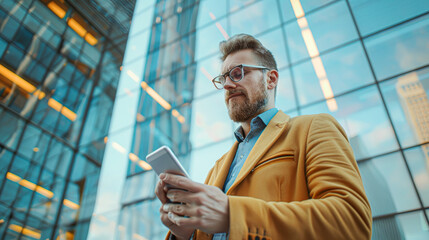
(372, 16)
(30, 141)
(418, 161)
(207, 69)
(345, 69)
(136, 226)
(319, 31)
(208, 38)
(255, 18)
(58, 158)
(23, 38)
(210, 10)
(85, 174)
(137, 47)
(203, 159)
(13, 56)
(10, 128)
(404, 226)
(39, 225)
(364, 118)
(3, 45)
(14, 8)
(6, 157)
(33, 70)
(210, 121)
(387, 184)
(407, 100)
(307, 5)
(285, 98)
(45, 206)
(4, 213)
(274, 42)
(139, 187)
(9, 25)
(400, 49)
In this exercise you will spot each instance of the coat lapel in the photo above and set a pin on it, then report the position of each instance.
(224, 168)
(268, 137)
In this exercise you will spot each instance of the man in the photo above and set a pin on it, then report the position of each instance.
(284, 178)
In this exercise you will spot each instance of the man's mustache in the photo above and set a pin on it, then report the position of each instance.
(230, 92)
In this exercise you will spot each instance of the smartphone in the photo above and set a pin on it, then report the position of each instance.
(163, 160)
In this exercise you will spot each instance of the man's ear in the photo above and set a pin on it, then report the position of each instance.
(272, 80)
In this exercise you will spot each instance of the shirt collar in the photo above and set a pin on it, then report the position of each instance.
(264, 117)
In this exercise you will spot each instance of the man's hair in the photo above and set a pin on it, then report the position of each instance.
(245, 41)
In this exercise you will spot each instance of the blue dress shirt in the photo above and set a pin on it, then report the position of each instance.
(245, 145)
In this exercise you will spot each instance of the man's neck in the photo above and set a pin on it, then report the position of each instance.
(246, 125)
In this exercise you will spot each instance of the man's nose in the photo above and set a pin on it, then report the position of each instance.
(229, 84)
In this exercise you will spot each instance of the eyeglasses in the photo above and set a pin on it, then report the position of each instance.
(236, 74)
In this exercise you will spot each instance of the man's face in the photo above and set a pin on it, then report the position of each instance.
(247, 98)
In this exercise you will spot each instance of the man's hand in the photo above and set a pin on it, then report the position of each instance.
(205, 207)
(180, 232)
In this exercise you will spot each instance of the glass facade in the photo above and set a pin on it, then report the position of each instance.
(364, 62)
(74, 139)
(59, 71)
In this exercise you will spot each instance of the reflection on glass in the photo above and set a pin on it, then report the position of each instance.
(209, 8)
(362, 115)
(330, 27)
(275, 42)
(400, 49)
(210, 122)
(256, 18)
(418, 161)
(387, 184)
(208, 38)
(372, 16)
(408, 103)
(346, 69)
(133, 190)
(285, 97)
(206, 70)
(203, 159)
(10, 129)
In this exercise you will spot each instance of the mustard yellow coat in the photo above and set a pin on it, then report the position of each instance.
(300, 181)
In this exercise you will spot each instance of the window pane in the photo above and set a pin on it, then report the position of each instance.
(407, 100)
(137, 47)
(210, 10)
(58, 159)
(345, 69)
(372, 16)
(307, 5)
(399, 49)
(9, 25)
(364, 118)
(208, 38)
(285, 98)
(405, 226)
(141, 221)
(10, 128)
(206, 70)
(203, 159)
(319, 31)
(274, 42)
(254, 19)
(388, 185)
(418, 161)
(139, 187)
(210, 121)
(85, 175)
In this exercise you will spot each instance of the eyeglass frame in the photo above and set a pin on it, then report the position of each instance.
(228, 73)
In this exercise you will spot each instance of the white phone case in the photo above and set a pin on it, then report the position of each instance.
(163, 160)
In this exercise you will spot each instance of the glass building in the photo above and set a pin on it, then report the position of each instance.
(59, 70)
(364, 62)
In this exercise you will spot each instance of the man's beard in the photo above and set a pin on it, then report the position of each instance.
(241, 111)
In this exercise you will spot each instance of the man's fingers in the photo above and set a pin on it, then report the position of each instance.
(182, 221)
(160, 191)
(181, 182)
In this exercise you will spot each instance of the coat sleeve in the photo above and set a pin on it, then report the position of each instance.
(337, 207)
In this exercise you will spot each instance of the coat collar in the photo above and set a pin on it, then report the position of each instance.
(265, 141)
